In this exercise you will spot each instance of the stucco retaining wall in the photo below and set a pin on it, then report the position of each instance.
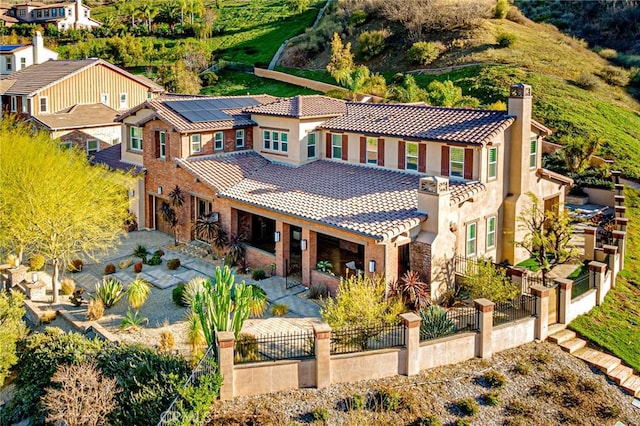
(581, 305)
(368, 365)
(507, 336)
(447, 350)
(255, 379)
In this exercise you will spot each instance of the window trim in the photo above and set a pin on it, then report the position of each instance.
(162, 142)
(368, 160)
(275, 141)
(313, 145)
(8, 64)
(407, 156)
(492, 163)
(14, 104)
(216, 140)
(336, 147)
(89, 152)
(46, 104)
(266, 140)
(192, 142)
(125, 103)
(491, 234)
(104, 98)
(533, 153)
(467, 240)
(25, 105)
(241, 139)
(23, 63)
(64, 145)
(139, 138)
(452, 162)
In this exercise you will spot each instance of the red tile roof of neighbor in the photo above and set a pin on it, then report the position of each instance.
(455, 125)
(302, 106)
(182, 124)
(80, 116)
(374, 202)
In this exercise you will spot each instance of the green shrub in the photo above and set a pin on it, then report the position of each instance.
(371, 43)
(494, 379)
(67, 286)
(434, 323)
(279, 310)
(462, 422)
(138, 292)
(110, 269)
(358, 17)
(523, 368)
(133, 320)
(634, 77)
(587, 81)
(154, 260)
(491, 398)
(320, 414)
(506, 39)
(356, 402)
(467, 406)
(258, 274)
(177, 294)
(13, 328)
(196, 399)
(615, 76)
(428, 421)
(109, 292)
(502, 7)
(36, 262)
(141, 252)
(209, 78)
(387, 399)
(173, 264)
(608, 53)
(246, 348)
(423, 53)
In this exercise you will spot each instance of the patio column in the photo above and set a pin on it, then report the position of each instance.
(519, 278)
(377, 253)
(590, 235)
(598, 271)
(542, 308)
(485, 309)
(565, 299)
(390, 262)
(225, 343)
(322, 334)
(309, 256)
(280, 248)
(412, 342)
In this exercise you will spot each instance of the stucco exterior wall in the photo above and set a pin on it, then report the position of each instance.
(107, 135)
(513, 334)
(273, 377)
(582, 304)
(367, 365)
(458, 348)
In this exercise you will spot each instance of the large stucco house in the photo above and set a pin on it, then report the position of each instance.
(64, 15)
(377, 188)
(15, 57)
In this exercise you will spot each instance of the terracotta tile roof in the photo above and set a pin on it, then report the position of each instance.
(181, 124)
(374, 202)
(302, 106)
(80, 116)
(464, 190)
(222, 171)
(112, 158)
(32, 79)
(456, 125)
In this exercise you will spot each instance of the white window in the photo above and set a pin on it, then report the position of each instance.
(46, 13)
(25, 105)
(311, 145)
(14, 104)
(22, 13)
(104, 98)
(44, 104)
(266, 139)
(149, 95)
(411, 156)
(23, 63)
(275, 141)
(218, 141)
(491, 232)
(123, 100)
(533, 153)
(136, 139)
(336, 146)
(196, 144)
(86, 13)
(54, 12)
(239, 138)
(492, 170)
(456, 162)
(65, 145)
(92, 146)
(9, 63)
(471, 239)
(162, 139)
(284, 142)
(372, 151)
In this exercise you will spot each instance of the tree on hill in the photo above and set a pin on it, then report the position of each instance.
(54, 201)
(12, 329)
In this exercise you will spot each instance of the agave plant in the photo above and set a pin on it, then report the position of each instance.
(138, 292)
(133, 320)
(435, 323)
(109, 292)
(194, 286)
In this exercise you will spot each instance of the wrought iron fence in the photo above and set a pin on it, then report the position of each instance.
(208, 364)
(358, 339)
(581, 285)
(455, 320)
(464, 265)
(275, 347)
(529, 281)
(521, 307)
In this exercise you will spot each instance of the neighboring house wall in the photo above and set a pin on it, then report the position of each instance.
(106, 136)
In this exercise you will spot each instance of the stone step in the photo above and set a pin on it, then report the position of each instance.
(632, 385)
(573, 345)
(562, 336)
(602, 361)
(620, 374)
(554, 328)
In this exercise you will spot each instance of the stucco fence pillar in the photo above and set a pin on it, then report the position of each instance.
(485, 308)
(565, 286)
(225, 341)
(622, 223)
(411, 323)
(619, 238)
(322, 336)
(598, 271)
(590, 235)
(611, 259)
(542, 309)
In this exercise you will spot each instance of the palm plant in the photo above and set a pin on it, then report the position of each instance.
(237, 248)
(206, 227)
(109, 292)
(138, 292)
(415, 293)
(141, 252)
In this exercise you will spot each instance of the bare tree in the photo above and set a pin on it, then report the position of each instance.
(80, 396)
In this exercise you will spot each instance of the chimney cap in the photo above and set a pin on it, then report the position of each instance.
(520, 90)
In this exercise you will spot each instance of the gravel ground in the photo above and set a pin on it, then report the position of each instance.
(550, 387)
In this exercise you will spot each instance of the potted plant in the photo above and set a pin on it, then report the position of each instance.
(324, 266)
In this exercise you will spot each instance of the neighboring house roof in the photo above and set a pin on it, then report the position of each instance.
(179, 122)
(6, 85)
(112, 158)
(544, 130)
(80, 116)
(302, 106)
(8, 19)
(378, 203)
(35, 78)
(10, 48)
(454, 125)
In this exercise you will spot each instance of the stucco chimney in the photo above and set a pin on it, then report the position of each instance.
(38, 48)
(78, 17)
(520, 103)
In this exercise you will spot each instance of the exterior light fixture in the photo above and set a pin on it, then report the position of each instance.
(303, 245)
(276, 236)
(159, 190)
(372, 266)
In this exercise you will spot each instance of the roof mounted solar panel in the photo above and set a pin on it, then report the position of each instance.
(202, 110)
